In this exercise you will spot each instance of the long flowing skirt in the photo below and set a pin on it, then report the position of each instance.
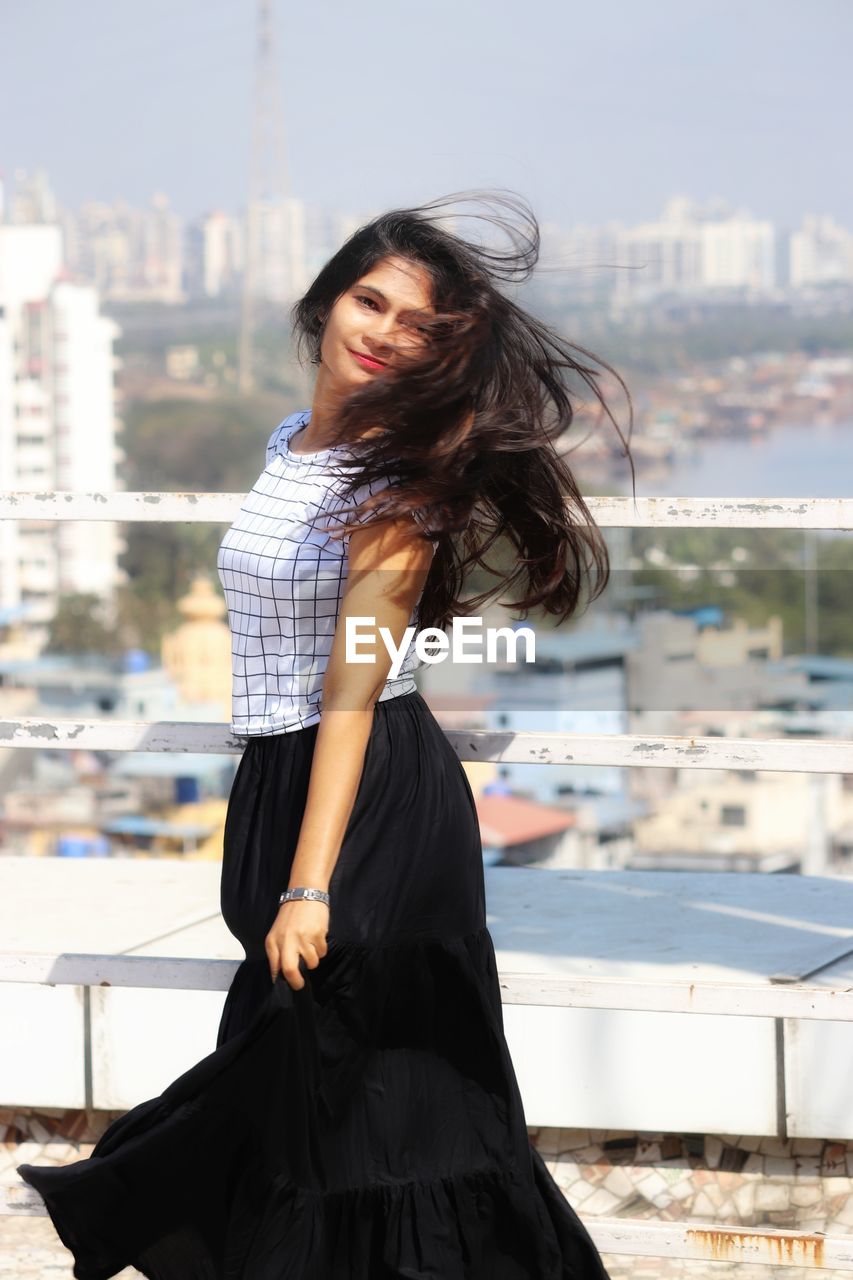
(368, 1126)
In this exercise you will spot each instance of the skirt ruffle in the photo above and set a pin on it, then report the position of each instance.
(251, 1165)
(367, 1126)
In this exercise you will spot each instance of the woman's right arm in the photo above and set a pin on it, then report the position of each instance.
(388, 566)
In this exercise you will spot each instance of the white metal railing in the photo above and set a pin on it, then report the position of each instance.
(781, 999)
(619, 513)
(652, 751)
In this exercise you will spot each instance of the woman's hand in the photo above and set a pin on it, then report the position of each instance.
(299, 930)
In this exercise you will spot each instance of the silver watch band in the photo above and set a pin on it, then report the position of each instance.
(293, 895)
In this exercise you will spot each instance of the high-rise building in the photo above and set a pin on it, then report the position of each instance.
(33, 199)
(280, 228)
(821, 252)
(691, 250)
(738, 252)
(221, 254)
(659, 257)
(130, 255)
(57, 423)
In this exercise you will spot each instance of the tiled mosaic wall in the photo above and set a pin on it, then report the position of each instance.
(803, 1184)
(800, 1185)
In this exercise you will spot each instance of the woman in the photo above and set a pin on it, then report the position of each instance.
(360, 1118)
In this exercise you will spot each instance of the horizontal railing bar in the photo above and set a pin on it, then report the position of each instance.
(632, 1237)
(614, 512)
(736, 999)
(172, 973)
(661, 751)
(710, 1242)
(722, 513)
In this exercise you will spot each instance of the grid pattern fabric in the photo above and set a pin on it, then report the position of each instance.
(283, 578)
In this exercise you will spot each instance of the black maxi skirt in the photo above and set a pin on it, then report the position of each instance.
(368, 1126)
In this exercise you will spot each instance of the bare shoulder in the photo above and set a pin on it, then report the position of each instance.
(393, 544)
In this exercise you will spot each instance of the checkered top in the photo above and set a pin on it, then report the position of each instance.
(283, 579)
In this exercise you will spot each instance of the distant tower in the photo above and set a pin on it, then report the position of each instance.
(267, 178)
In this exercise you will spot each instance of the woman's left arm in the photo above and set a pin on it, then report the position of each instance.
(388, 566)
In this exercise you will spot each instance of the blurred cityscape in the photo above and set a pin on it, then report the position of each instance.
(156, 255)
(121, 325)
(148, 350)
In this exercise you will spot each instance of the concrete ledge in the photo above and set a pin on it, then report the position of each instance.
(577, 1067)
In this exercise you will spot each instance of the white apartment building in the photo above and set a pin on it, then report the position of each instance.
(658, 257)
(57, 423)
(821, 252)
(130, 255)
(221, 253)
(156, 254)
(714, 819)
(688, 251)
(278, 233)
(738, 252)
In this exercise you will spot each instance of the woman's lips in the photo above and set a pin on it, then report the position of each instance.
(366, 360)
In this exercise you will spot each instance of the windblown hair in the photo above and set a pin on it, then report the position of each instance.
(468, 424)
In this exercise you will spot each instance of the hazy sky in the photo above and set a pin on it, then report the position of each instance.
(591, 111)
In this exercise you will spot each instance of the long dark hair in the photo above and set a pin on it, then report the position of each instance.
(468, 425)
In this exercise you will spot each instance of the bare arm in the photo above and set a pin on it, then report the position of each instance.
(388, 566)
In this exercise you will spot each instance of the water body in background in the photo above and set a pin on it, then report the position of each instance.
(789, 462)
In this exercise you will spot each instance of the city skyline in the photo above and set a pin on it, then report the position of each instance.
(605, 119)
(154, 253)
(719, 207)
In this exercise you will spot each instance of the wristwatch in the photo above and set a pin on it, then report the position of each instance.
(292, 895)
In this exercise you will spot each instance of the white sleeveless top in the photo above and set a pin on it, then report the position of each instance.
(283, 579)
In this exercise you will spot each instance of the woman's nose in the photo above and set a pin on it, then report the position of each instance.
(385, 328)
(381, 339)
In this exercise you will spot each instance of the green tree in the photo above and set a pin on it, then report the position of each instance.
(175, 446)
(78, 627)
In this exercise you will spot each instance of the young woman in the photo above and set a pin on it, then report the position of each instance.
(360, 1118)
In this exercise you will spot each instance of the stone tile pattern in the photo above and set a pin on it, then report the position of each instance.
(29, 1247)
(799, 1184)
(802, 1184)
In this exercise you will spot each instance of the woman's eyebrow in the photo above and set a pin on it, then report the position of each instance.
(371, 288)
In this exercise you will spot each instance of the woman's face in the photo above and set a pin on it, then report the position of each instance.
(373, 320)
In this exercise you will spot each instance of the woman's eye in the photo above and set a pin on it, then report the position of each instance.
(363, 298)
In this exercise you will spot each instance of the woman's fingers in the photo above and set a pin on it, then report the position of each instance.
(273, 956)
(301, 950)
(284, 955)
(290, 966)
